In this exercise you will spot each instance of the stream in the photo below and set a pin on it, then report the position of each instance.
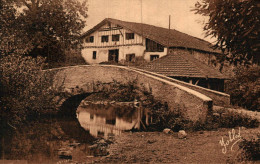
(52, 139)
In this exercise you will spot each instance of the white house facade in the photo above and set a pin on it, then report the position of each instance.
(121, 41)
(112, 42)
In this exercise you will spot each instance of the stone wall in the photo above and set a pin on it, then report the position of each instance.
(219, 98)
(194, 105)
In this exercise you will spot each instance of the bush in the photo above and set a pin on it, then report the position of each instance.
(232, 119)
(26, 91)
(244, 88)
(72, 57)
(250, 149)
(223, 119)
(117, 91)
(161, 115)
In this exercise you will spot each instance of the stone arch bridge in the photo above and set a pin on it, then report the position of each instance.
(194, 101)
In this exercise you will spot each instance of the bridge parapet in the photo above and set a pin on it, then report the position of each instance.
(194, 105)
(219, 98)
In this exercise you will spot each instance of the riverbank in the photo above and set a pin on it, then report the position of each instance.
(158, 147)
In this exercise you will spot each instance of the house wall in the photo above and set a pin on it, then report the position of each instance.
(113, 30)
(102, 53)
(204, 57)
(148, 54)
(136, 45)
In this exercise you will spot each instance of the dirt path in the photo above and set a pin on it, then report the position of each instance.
(158, 147)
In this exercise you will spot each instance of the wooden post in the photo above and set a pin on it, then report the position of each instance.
(197, 82)
(168, 43)
(208, 85)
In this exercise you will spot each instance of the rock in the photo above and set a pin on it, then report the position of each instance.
(182, 134)
(167, 131)
(151, 141)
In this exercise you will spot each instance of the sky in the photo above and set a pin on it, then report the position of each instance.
(154, 12)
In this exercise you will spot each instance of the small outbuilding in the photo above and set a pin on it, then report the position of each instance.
(183, 66)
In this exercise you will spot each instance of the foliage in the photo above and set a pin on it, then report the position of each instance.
(7, 27)
(71, 58)
(117, 91)
(137, 62)
(251, 149)
(26, 91)
(224, 118)
(162, 116)
(235, 24)
(230, 119)
(244, 88)
(43, 27)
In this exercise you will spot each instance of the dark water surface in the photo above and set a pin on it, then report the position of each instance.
(107, 121)
(50, 140)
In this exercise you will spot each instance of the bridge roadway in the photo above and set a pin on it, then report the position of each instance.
(193, 101)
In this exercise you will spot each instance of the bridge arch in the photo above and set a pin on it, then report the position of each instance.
(83, 79)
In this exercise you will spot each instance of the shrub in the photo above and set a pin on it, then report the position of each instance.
(25, 90)
(72, 57)
(162, 116)
(250, 148)
(223, 119)
(117, 91)
(231, 119)
(244, 88)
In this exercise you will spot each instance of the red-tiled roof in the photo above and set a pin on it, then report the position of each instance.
(160, 35)
(179, 64)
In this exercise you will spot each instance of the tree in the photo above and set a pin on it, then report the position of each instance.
(235, 24)
(244, 88)
(25, 90)
(47, 27)
(7, 27)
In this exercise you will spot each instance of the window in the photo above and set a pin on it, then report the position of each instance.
(104, 38)
(115, 37)
(90, 39)
(111, 121)
(94, 56)
(152, 46)
(91, 116)
(129, 36)
(153, 57)
(130, 57)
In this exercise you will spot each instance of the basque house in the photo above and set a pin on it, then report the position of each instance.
(119, 41)
(116, 40)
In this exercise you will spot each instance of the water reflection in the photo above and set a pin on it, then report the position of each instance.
(47, 140)
(107, 121)
(50, 140)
